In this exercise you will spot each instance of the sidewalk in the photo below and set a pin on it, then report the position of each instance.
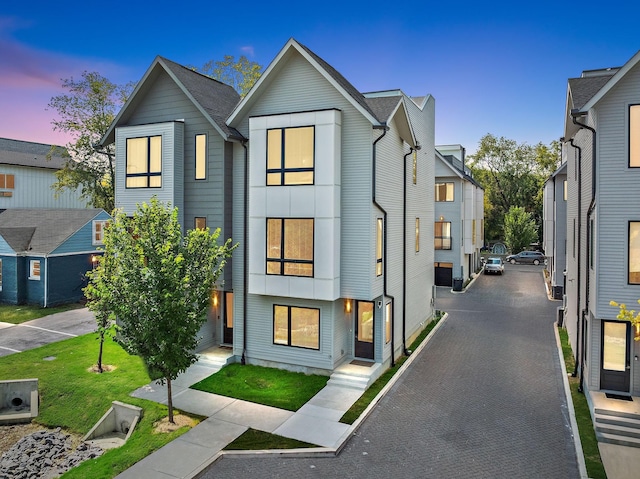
(317, 422)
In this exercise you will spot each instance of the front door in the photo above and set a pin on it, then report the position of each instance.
(227, 333)
(364, 330)
(616, 350)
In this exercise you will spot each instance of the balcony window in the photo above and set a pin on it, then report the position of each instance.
(144, 162)
(290, 156)
(290, 246)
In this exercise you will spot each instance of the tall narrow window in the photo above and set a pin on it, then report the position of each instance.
(290, 156)
(592, 248)
(98, 227)
(201, 157)
(444, 191)
(415, 167)
(144, 162)
(473, 232)
(417, 235)
(34, 269)
(387, 322)
(634, 252)
(379, 227)
(290, 246)
(634, 136)
(564, 190)
(299, 327)
(442, 235)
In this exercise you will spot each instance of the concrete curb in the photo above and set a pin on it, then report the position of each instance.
(572, 413)
(326, 451)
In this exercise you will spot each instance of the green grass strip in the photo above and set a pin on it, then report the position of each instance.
(592, 459)
(268, 386)
(19, 314)
(252, 440)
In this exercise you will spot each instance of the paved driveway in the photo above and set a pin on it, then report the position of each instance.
(15, 338)
(483, 400)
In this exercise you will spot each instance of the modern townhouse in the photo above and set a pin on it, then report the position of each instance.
(459, 218)
(328, 192)
(602, 148)
(554, 218)
(26, 177)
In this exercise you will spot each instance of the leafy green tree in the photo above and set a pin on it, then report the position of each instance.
(519, 229)
(85, 113)
(240, 74)
(512, 174)
(158, 283)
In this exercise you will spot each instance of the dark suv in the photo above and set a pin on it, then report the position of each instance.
(526, 257)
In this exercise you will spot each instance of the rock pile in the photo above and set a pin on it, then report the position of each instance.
(44, 454)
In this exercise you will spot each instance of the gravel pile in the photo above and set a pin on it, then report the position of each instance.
(44, 454)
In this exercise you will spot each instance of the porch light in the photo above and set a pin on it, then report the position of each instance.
(347, 306)
(636, 335)
(441, 218)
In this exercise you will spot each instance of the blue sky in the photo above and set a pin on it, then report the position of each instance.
(498, 67)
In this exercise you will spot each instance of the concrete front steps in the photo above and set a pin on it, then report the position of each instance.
(617, 427)
(356, 375)
(216, 357)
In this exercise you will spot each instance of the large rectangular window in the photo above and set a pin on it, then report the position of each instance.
(634, 252)
(442, 235)
(290, 156)
(144, 162)
(201, 157)
(290, 246)
(7, 181)
(444, 191)
(379, 228)
(299, 327)
(634, 136)
(34, 269)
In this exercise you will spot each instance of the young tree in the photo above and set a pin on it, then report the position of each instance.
(85, 113)
(519, 229)
(240, 74)
(158, 283)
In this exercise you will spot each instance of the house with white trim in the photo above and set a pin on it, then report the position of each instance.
(602, 151)
(459, 217)
(327, 190)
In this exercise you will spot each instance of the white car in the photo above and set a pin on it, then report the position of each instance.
(494, 265)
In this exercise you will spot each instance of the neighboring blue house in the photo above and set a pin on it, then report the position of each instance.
(45, 253)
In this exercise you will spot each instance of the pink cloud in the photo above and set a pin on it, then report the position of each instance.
(247, 50)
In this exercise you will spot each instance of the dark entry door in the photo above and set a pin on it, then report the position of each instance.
(364, 330)
(444, 274)
(615, 367)
(227, 333)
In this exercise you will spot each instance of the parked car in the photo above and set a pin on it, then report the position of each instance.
(526, 257)
(494, 265)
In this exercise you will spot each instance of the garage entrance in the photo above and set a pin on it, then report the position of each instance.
(443, 274)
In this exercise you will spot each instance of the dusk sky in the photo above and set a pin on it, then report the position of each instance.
(493, 67)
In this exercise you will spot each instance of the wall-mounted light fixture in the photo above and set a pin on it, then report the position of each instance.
(214, 298)
(441, 218)
(347, 306)
(636, 334)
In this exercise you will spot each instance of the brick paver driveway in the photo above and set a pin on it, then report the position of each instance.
(484, 399)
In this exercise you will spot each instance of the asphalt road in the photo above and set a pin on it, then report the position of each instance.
(15, 338)
(484, 399)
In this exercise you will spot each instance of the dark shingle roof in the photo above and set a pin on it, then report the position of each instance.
(27, 153)
(384, 106)
(344, 83)
(42, 230)
(216, 98)
(584, 89)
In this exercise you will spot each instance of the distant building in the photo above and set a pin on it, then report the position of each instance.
(46, 253)
(459, 217)
(26, 177)
(554, 218)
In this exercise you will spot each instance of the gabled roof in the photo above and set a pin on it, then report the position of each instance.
(42, 230)
(377, 109)
(27, 153)
(214, 99)
(451, 161)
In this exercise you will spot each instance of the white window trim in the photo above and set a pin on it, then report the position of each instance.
(95, 242)
(32, 263)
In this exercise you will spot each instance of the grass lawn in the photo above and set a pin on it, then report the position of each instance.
(268, 386)
(74, 399)
(252, 440)
(592, 459)
(13, 314)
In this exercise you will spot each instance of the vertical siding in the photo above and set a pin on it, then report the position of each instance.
(10, 281)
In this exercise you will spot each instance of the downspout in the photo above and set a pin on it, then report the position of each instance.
(243, 359)
(384, 129)
(579, 275)
(46, 282)
(404, 254)
(592, 205)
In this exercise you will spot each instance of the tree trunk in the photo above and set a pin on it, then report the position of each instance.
(100, 353)
(170, 401)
